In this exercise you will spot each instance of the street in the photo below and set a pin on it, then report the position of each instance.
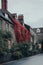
(33, 60)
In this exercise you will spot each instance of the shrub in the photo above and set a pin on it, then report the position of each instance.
(24, 48)
(17, 55)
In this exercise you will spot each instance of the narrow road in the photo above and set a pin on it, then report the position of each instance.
(34, 60)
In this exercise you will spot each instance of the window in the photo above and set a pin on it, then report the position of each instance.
(38, 30)
(11, 28)
(0, 24)
(6, 16)
(7, 26)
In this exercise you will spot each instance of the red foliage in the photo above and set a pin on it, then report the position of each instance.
(21, 33)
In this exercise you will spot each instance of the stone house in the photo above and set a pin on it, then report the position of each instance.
(6, 23)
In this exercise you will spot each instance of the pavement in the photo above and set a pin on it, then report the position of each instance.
(33, 60)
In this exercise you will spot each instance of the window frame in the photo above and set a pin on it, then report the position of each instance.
(6, 26)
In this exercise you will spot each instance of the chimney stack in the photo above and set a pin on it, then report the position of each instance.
(14, 15)
(21, 19)
(4, 4)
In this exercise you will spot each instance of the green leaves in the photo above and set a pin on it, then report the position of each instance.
(4, 37)
(22, 47)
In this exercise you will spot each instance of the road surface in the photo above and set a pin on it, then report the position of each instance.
(33, 60)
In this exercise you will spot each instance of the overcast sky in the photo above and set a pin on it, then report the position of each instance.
(31, 9)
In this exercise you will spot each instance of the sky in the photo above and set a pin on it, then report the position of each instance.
(31, 9)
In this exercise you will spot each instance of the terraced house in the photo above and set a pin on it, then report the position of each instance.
(6, 25)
